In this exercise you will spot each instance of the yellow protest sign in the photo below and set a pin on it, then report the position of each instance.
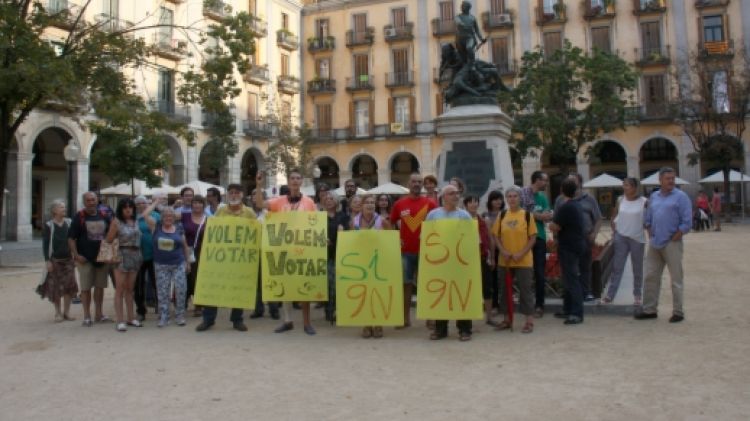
(449, 285)
(369, 286)
(295, 256)
(228, 270)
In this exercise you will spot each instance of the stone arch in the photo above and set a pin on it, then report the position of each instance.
(208, 171)
(657, 152)
(174, 174)
(330, 171)
(364, 169)
(252, 161)
(608, 155)
(51, 177)
(402, 164)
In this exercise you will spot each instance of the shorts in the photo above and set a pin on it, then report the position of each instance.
(91, 276)
(411, 264)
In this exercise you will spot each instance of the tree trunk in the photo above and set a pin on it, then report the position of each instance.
(727, 184)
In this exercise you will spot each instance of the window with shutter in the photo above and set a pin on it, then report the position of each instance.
(446, 11)
(600, 39)
(651, 35)
(655, 94)
(497, 7)
(360, 23)
(398, 16)
(361, 66)
(500, 53)
(285, 21)
(713, 28)
(252, 106)
(322, 67)
(552, 42)
(321, 28)
(166, 19)
(362, 118)
(323, 119)
(284, 64)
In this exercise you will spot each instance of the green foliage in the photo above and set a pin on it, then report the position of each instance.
(568, 100)
(290, 147)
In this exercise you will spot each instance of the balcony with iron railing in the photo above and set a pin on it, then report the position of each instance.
(360, 83)
(112, 24)
(216, 10)
(442, 27)
(492, 21)
(321, 44)
(652, 56)
(167, 47)
(357, 38)
(257, 74)
(399, 79)
(702, 4)
(598, 9)
(649, 7)
(404, 128)
(653, 111)
(287, 40)
(258, 26)
(172, 110)
(322, 135)
(716, 50)
(288, 84)
(64, 13)
(362, 131)
(550, 16)
(321, 86)
(256, 127)
(399, 33)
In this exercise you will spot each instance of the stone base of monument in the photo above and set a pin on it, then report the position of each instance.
(475, 148)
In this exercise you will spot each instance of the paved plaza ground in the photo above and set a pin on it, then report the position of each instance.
(609, 368)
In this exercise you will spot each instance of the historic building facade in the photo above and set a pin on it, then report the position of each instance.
(364, 75)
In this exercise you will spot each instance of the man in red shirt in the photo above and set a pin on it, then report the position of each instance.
(408, 214)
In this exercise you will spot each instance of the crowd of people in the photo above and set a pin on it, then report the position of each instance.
(158, 248)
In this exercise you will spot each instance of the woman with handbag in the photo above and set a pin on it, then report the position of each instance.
(59, 282)
(125, 230)
(193, 223)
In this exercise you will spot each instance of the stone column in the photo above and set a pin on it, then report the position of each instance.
(584, 168)
(384, 176)
(81, 181)
(690, 173)
(428, 158)
(344, 175)
(633, 166)
(19, 215)
(233, 170)
(192, 163)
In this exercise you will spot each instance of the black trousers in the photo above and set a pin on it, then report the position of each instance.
(540, 262)
(145, 281)
(463, 326)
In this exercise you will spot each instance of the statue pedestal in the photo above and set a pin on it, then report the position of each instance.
(475, 148)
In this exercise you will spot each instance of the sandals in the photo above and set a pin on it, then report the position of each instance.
(528, 327)
(87, 323)
(58, 318)
(504, 325)
(135, 323)
(463, 337)
(68, 318)
(434, 336)
(605, 300)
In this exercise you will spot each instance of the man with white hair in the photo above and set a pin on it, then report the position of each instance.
(450, 210)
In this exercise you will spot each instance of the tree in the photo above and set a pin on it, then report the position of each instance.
(714, 106)
(567, 99)
(289, 147)
(89, 70)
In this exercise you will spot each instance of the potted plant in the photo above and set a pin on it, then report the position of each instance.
(559, 9)
(609, 6)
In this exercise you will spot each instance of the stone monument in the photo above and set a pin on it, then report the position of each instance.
(475, 131)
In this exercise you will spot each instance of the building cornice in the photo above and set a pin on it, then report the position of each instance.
(329, 5)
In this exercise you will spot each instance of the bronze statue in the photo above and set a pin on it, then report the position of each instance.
(472, 81)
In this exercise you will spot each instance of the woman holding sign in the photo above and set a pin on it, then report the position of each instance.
(193, 223)
(295, 201)
(515, 231)
(450, 210)
(368, 219)
(171, 262)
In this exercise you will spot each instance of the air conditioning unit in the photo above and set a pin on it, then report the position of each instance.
(390, 32)
(503, 18)
(397, 127)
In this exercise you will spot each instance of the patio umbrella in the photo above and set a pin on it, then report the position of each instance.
(340, 191)
(653, 180)
(308, 190)
(602, 181)
(389, 188)
(138, 187)
(200, 187)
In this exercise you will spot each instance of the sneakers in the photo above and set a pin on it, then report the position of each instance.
(122, 327)
(239, 326)
(163, 322)
(203, 326)
(135, 323)
(181, 321)
(87, 323)
(676, 318)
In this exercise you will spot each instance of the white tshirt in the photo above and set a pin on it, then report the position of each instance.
(629, 219)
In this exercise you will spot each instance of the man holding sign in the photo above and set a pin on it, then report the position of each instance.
(234, 234)
(294, 202)
(450, 281)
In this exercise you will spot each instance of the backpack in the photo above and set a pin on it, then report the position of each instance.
(526, 216)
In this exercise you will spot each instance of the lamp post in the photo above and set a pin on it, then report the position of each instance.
(71, 155)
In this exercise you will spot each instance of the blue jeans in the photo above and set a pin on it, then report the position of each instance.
(209, 315)
(573, 296)
(411, 265)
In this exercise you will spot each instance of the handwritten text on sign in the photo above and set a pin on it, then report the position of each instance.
(369, 289)
(228, 270)
(295, 256)
(449, 285)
